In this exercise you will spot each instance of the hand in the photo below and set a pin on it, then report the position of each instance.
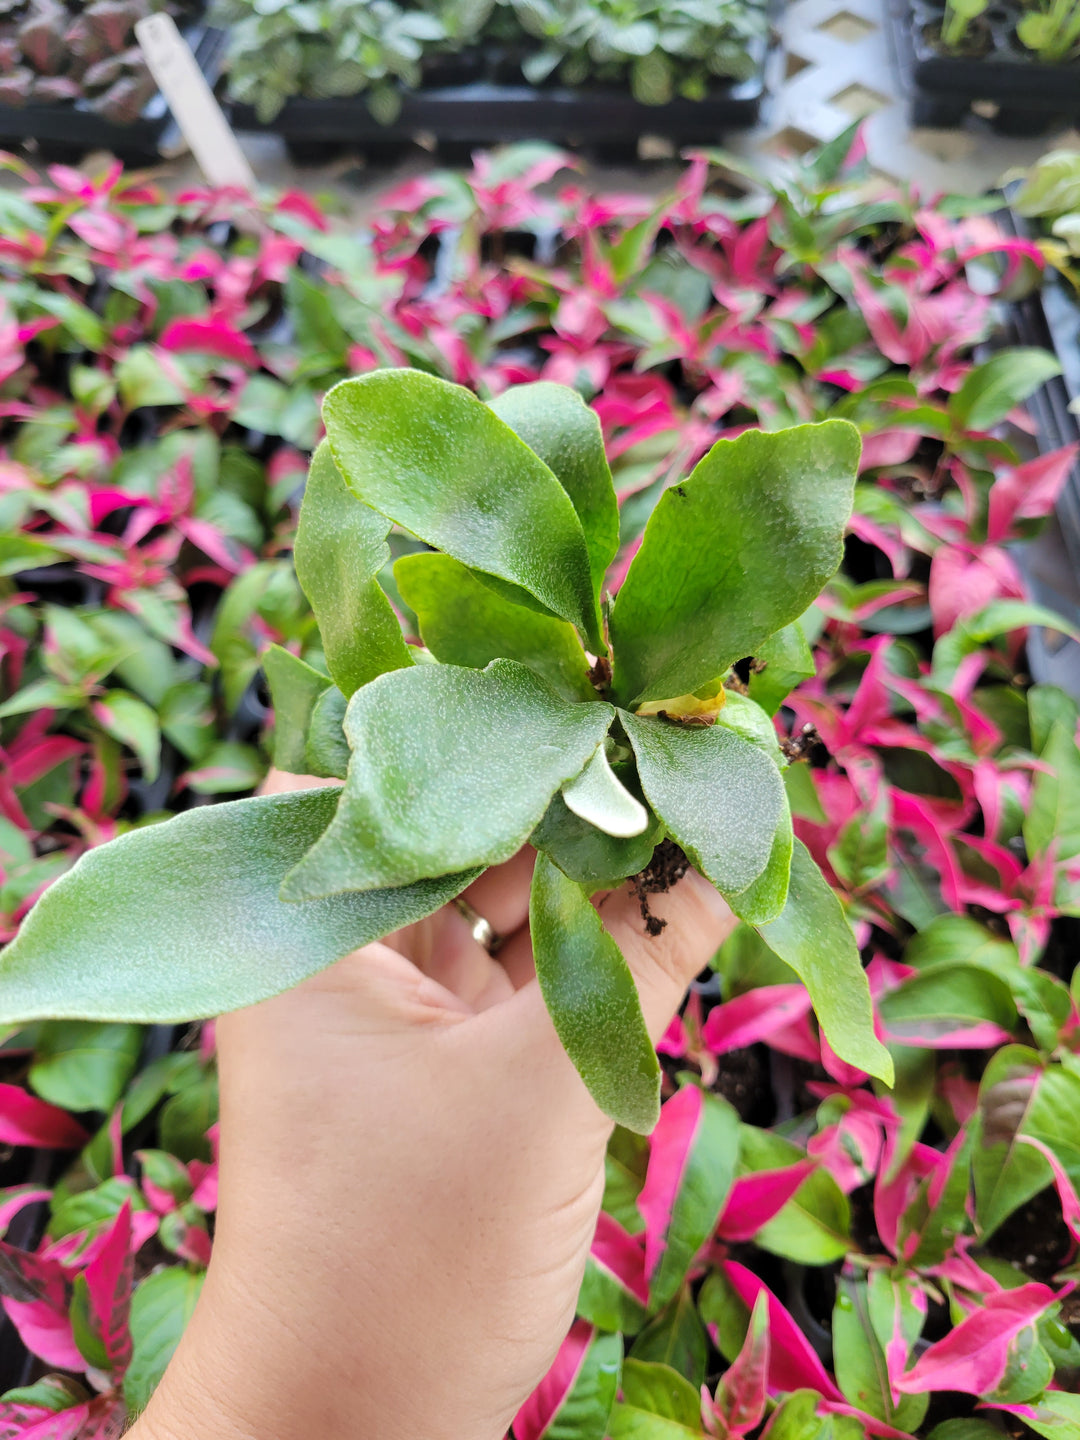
(411, 1171)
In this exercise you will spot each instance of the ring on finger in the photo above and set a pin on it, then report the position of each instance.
(481, 929)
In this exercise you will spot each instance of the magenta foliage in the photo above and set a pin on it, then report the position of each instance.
(792, 1363)
(535, 1416)
(742, 1394)
(669, 1156)
(972, 1357)
(109, 1277)
(161, 363)
(26, 1120)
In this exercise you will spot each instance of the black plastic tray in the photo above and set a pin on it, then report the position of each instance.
(1051, 562)
(1030, 97)
(484, 112)
(68, 131)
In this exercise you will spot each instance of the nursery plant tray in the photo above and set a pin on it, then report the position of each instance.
(1050, 318)
(67, 131)
(1022, 95)
(486, 113)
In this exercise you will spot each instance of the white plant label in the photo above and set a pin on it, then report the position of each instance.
(192, 103)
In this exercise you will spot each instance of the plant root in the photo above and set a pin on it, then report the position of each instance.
(666, 868)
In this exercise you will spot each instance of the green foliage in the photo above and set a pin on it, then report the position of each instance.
(464, 622)
(1023, 1095)
(323, 48)
(452, 764)
(340, 548)
(997, 386)
(1052, 30)
(450, 768)
(812, 935)
(721, 798)
(160, 1309)
(752, 535)
(408, 445)
(556, 424)
(205, 886)
(591, 996)
(663, 47)
(1051, 193)
(83, 1066)
(657, 1404)
(957, 20)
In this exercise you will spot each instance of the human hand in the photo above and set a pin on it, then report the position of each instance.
(411, 1171)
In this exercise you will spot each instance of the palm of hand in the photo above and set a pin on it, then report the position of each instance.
(411, 1172)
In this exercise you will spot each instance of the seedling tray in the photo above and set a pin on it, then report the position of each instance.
(68, 131)
(487, 112)
(1026, 96)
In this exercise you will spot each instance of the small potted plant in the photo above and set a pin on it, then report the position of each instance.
(484, 71)
(1021, 59)
(613, 736)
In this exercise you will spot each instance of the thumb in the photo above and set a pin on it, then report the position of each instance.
(697, 922)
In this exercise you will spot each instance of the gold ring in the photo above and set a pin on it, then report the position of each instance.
(482, 930)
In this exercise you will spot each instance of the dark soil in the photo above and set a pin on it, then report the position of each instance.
(863, 1227)
(743, 1081)
(978, 39)
(666, 868)
(1034, 1237)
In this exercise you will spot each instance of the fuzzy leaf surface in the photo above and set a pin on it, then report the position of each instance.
(104, 941)
(588, 855)
(326, 752)
(433, 458)
(764, 900)
(813, 936)
(446, 763)
(340, 548)
(718, 794)
(557, 425)
(731, 555)
(464, 622)
(295, 688)
(592, 1000)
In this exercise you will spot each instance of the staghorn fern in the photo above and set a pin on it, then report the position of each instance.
(605, 732)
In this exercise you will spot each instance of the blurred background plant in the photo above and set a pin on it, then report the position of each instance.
(852, 1261)
(1051, 29)
(324, 48)
(1050, 195)
(55, 51)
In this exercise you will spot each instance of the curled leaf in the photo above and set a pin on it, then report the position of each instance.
(598, 796)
